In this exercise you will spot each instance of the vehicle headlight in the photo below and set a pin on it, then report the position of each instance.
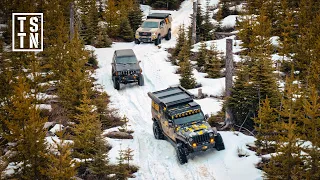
(190, 139)
(154, 34)
(211, 134)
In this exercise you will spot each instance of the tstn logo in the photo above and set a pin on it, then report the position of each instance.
(27, 31)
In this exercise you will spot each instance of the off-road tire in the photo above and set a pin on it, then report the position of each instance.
(141, 80)
(136, 41)
(219, 142)
(157, 132)
(116, 83)
(181, 154)
(168, 36)
(158, 40)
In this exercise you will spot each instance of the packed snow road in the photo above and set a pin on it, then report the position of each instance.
(157, 158)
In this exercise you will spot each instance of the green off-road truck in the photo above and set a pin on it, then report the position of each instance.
(125, 68)
(180, 120)
(154, 28)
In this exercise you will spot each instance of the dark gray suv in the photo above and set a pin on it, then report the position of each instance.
(125, 68)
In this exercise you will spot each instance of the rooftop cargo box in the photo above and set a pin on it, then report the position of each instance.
(171, 96)
(158, 15)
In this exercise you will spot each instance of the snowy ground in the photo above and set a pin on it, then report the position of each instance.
(157, 159)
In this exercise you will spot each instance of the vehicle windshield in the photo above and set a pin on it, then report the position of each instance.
(188, 119)
(147, 24)
(126, 60)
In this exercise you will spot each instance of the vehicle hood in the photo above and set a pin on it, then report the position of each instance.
(127, 67)
(194, 129)
(147, 29)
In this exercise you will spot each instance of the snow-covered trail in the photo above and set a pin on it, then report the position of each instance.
(157, 158)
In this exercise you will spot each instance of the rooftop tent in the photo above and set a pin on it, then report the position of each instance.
(158, 15)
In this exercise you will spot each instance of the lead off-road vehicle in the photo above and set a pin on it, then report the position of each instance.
(180, 120)
(154, 28)
(125, 68)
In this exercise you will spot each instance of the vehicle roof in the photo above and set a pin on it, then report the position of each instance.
(158, 15)
(124, 52)
(171, 96)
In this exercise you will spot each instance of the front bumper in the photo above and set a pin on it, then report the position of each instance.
(146, 38)
(202, 147)
(128, 79)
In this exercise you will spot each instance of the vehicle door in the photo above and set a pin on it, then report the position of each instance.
(113, 64)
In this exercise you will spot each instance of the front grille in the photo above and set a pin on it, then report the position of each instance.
(201, 138)
(128, 72)
(144, 33)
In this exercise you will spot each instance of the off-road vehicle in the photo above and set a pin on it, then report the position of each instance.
(179, 119)
(125, 68)
(154, 28)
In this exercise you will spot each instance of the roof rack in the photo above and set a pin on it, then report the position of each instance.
(158, 15)
(171, 96)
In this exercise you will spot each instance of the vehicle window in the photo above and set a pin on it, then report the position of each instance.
(188, 119)
(126, 60)
(147, 24)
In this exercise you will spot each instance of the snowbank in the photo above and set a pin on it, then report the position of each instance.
(229, 21)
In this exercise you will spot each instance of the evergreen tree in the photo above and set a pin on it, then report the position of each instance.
(103, 39)
(135, 16)
(86, 130)
(125, 32)
(122, 171)
(213, 63)
(62, 166)
(265, 126)
(128, 156)
(187, 80)
(206, 28)
(286, 164)
(89, 21)
(202, 55)
(180, 42)
(311, 132)
(25, 129)
(112, 18)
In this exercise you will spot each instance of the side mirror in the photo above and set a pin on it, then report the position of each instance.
(112, 63)
(206, 117)
(139, 61)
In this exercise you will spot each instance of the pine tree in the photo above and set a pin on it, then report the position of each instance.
(25, 129)
(180, 42)
(206, 28)
(311, 132)
(99, 166)
(213, 63)
(112, 17)
(125, 30)
(187, 80)
(103, 39)
(62, 166)
(265, 125)
(135, 16)
(128, 156)
(286, 164)
(121, 171)
(202, 55)
(89, 20)
(86, 130)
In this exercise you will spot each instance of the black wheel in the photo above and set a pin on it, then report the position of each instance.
(219, 142)
(168, 36)
(157, 132)
(157, 41)
(116, 83)
(136, 41)
(141, 80)
(181, 154)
